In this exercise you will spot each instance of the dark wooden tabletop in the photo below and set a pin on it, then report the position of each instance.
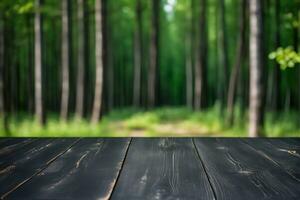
(156, 168)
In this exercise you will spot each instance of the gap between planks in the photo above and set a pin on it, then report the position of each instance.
(120, 171)
(39, 171)
(205, 170)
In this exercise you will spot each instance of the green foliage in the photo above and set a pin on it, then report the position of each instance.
(167, 121)
(291, 20)
(285, 57)
(24, 8)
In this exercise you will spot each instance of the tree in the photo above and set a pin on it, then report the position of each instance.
(154, 53)
(81, 59)
(200, 62)
(30, 81)
(2, 99)
(99, 62)
(137, 55)
(256, 110)
(223, 51)
(189, 72)
(65, 59)
(240, 53)
(276, 70)
(39, 111)
(189, 48)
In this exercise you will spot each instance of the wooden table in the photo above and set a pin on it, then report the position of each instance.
(156, 168)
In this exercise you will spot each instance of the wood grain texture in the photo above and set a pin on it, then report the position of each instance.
(237, 171)
(19, 166)
(284, 153)
(5, 141)
(10, 146)
(162, 169)
(13, 153)
(88, 170)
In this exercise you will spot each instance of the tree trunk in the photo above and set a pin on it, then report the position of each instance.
(240, 53)
(299, 68)
(99, 62)
(200, 62)
(81, 59)
(39, 111)
(65, 60)
(153, 53)
(1, 66)
(189, 72)
(223, 56)
(137, 55)
(190, 53)
(188, 59)
(2, 95)
(276, 71)
(296, 45)
(108, 59)
(111, 81)
(30, 82)
(256, 70)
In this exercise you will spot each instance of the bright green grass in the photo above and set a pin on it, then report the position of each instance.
(178, 122)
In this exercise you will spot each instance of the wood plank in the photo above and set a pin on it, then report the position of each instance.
(10, 139)
(3, 140)
(10, 146)
(14, 153)
(283, 153)
(293, 143)
(237, 171)
(88, 170)
(17, 168)
(162, 169)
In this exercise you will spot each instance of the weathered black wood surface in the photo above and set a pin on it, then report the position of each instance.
(163, 169)
(88, 170)
(23, 163)
(156, 168)
(238, 171)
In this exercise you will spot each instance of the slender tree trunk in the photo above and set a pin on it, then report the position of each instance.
(296, 33)
(81, 59)
(190, 53)
(99, 62)
(39, 111)
(200, 63)
(240, 53)
(2, 98)
(108, 59)
(1, 66)
(65, 60)
(287, 101)
(30, 72)
(189, 72)
(106, 35)
(188, 59)
(219, 87)
(276, 71)
(299, 69)
(223, 56)
(137, 55)
(87, 64)
(153, 53)
(111, 80)
(256, 70)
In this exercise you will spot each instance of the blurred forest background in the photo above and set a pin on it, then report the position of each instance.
(149, 68)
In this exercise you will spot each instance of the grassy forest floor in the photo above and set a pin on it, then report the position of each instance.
(178, 122)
